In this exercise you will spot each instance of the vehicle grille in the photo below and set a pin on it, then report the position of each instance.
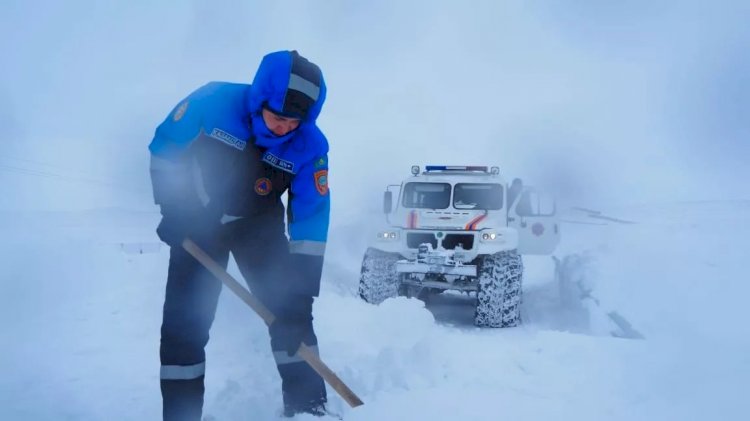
(452, 240)
(414, 239)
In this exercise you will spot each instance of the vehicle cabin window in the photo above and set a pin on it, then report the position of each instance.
(427, 195)
(478, 196)
(532, 203)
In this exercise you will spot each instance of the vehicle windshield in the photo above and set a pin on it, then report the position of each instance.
(478, 196)
(427, 195)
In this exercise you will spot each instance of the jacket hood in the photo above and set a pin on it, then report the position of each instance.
(289, 85)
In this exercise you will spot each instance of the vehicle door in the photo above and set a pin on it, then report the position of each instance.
(533, 215)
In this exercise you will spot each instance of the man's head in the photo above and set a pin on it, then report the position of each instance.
(289, 86)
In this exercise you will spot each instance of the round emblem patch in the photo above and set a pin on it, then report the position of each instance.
(263, 186)
(537, 229)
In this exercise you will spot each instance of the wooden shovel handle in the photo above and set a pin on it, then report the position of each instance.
(304, 351)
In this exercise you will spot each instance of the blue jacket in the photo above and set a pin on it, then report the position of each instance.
(214, 152)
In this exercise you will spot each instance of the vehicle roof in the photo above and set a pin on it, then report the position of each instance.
(456, 177)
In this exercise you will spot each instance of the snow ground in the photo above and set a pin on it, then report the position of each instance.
(82, 292)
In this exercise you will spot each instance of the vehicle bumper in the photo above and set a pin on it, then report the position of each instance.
(419, 267)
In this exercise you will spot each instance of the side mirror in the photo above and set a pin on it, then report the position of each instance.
(387, 202)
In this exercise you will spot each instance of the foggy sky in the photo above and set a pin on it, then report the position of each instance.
(599, 102)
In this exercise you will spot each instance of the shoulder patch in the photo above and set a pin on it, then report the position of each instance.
(279, 163)
(228, 138)
(321, 181)
(320, 163)
(180, 111)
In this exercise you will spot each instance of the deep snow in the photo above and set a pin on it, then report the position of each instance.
(82, 299)
(597, 102)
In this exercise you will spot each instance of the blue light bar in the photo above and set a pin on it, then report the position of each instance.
(455, 168)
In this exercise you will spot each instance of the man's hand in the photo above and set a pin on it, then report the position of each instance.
(290, 333)
(173, 230)
(176, 225)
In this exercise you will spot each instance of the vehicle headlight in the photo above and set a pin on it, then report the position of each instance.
(490, 236)
(388, 235)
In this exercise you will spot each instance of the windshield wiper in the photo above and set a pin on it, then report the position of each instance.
(465, 205)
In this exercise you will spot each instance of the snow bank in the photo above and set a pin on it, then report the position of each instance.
(81, 301)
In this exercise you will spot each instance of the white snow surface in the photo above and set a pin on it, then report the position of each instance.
(82, 293)
(603, 104)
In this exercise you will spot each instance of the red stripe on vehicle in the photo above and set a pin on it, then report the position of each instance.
(411, 220)
(472, 225)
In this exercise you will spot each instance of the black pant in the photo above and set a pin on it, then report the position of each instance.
(260, 249)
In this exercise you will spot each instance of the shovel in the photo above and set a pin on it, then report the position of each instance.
(304, 351)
